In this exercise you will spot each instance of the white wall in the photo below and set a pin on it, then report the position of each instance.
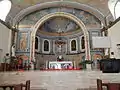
(114, 33)
(5, 40)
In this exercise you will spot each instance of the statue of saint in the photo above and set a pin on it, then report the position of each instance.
(13, 50)
(23, 42)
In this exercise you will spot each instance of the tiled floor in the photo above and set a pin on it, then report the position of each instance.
(59, 80)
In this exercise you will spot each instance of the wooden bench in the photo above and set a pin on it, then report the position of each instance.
(110, 86)
(11, 86)
(18, 87)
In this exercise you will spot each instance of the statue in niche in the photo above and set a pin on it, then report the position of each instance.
(59, 48)
(23, 42)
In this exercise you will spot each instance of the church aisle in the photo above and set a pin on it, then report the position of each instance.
(59, 80)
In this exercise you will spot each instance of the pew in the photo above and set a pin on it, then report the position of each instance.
(99, 84)
(18, 87)
(11, 86)
(110, 86)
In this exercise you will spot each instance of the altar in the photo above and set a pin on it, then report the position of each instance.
(61, 65)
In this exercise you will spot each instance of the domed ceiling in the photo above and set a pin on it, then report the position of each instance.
(19, 5)
(59, 24)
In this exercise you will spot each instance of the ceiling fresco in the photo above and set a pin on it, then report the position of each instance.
(59, 24)
(88, 19)
(19, 5)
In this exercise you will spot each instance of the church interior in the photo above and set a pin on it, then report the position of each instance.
(44, 40)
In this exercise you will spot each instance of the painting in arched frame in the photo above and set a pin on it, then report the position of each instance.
(73, 45)
(46, 45)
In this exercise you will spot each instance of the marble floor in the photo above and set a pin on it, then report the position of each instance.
(59, 80)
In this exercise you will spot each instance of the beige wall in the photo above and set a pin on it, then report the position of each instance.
(114, 33)
(5, 40)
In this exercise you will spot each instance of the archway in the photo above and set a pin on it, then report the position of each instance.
(62, 14)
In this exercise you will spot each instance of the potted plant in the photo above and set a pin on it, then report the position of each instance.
(86, 64)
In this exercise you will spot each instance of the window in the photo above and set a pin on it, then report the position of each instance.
(6, 5)
(117, 10)
(114, 6)
(36, 43)
(73, 45)
(82, 43)
(46, 45)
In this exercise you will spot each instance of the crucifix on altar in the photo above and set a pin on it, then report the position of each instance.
(59, 43)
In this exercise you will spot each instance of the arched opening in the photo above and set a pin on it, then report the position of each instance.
(82, 43)
(6, 5)
(114, 6)
(117, 10)
(36, 43)
(66, 15)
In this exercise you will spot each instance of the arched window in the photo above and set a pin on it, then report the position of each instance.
(36, 43)
(117, 10)
(114, 6)
(46, 45)
(82, 43)
(73, 45)
(5, 6)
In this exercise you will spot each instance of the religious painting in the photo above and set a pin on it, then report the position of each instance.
(87, 18)
(73, 45)
(23, 41)
(46, 45)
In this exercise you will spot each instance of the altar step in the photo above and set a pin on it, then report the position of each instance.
(59, 80)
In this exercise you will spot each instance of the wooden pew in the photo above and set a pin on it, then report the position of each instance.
(18, 87)
(99, 84)
(110, 86)
(11, 86)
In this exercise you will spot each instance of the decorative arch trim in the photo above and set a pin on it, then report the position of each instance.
(60, 14)
(70, 4)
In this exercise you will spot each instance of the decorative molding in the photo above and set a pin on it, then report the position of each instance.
(61, 14)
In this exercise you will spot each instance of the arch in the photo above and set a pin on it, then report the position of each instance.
(70, 4)
(112, 4)
(6, 5)
(117, 8)
(61, 14)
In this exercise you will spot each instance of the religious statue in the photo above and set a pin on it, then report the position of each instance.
(13, 50)
(23, 42)
(59, 48)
